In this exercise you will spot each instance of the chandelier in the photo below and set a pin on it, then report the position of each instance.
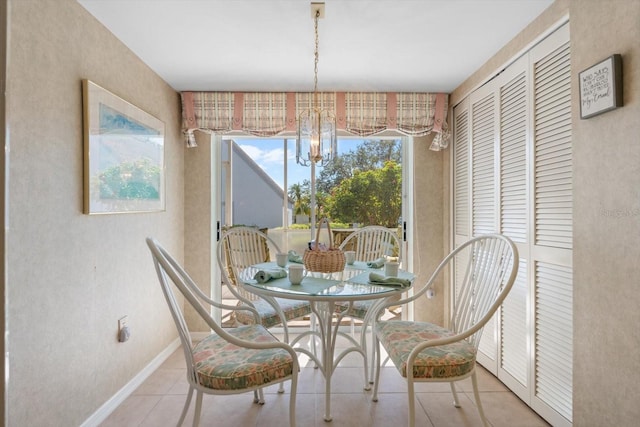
(316, 138)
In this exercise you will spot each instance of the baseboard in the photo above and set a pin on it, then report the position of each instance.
(116, 400)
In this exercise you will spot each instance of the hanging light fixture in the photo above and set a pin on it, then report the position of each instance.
(316, 139)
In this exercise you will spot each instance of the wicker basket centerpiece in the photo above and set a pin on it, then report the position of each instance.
(323, 260)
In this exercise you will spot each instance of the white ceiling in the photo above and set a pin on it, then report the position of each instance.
(267, 45)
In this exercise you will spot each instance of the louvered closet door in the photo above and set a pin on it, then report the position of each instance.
(514, 136)
(483, 194)
(461, 186)
(552, 230)
(513, 159)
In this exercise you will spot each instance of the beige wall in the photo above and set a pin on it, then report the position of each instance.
(3, 83)
(429, 223)
(199, 230)
(606, 209)
(71, 276)
(607, 222)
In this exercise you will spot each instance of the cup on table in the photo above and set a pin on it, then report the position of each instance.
(350, 257)
(281, 259)
(296, 273)
(391, 268)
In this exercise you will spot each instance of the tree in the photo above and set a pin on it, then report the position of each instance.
(361, 186)
(371, 154)
(369, 197)
(135, 180)
(297, 192)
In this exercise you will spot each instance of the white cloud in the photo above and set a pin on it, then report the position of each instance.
(271, 156)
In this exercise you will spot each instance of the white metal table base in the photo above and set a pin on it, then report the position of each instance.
(328, 334)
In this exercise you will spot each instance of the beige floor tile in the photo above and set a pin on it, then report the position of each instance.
(132, 411)
(391, 409)
(160, 382)
(440, 410)
(504, 409)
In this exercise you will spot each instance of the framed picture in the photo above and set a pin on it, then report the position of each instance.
(123, 155)
(601, 87)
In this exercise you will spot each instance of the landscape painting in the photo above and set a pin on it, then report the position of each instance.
(123, 155)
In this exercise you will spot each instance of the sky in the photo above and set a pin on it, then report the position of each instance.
(269, 155)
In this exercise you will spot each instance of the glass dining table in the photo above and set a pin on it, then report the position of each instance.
(331, 296)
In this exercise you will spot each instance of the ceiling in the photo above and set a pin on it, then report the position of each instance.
(268, 45)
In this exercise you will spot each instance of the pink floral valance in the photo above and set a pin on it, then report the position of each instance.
(359, 113)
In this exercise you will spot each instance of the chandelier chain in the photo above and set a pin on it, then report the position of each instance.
(315, 65)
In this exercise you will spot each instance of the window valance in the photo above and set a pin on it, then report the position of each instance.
(269, 114)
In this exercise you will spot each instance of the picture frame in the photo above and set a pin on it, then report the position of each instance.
(601, 87)
(124, 162)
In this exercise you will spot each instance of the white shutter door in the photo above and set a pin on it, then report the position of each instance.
(514, 219)
(461, 172)
(518, 177)
(461, 188)
(514, 357)
(483, 164)
(553, 337)
(552, 230)
(553, 157)
(513, 159)
(483, 196)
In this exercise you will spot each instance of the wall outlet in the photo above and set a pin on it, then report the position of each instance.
(123, 329)
(122, 322)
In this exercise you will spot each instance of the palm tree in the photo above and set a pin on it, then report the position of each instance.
(300, 204)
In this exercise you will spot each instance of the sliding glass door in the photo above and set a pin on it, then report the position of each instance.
(367, 184)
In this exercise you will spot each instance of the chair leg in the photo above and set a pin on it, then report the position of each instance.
(376, 349)
(313, 326)
(412, 402)
(258, 396)
(456, 402)
(292, 400)
(363, 344)
(196, 414)
(186, 406)
(476, 394)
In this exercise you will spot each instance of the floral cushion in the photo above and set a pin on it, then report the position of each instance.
(358, 309)
(447, 361)
(220, 365)
(292, 309)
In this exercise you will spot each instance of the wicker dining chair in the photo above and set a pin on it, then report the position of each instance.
(229, 360)
(238, 249)
(425, 352)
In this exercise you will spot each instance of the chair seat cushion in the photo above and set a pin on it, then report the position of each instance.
(292, 309)
(399, 338)
(358, 310)
(221, 365)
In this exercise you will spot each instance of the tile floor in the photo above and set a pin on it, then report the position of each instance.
(158, 401)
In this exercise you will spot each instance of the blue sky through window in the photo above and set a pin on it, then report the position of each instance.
(269, 155)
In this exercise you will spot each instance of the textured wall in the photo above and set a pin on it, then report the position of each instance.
(199, 229)
(429, 223)
(71, 276)
(607, 222)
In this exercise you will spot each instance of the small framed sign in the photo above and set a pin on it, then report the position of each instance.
(601, 87)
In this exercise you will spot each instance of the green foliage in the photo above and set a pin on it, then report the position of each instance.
(300, 226)
(135, 180)
(371, 154)
(369, 197)
(363, 186)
